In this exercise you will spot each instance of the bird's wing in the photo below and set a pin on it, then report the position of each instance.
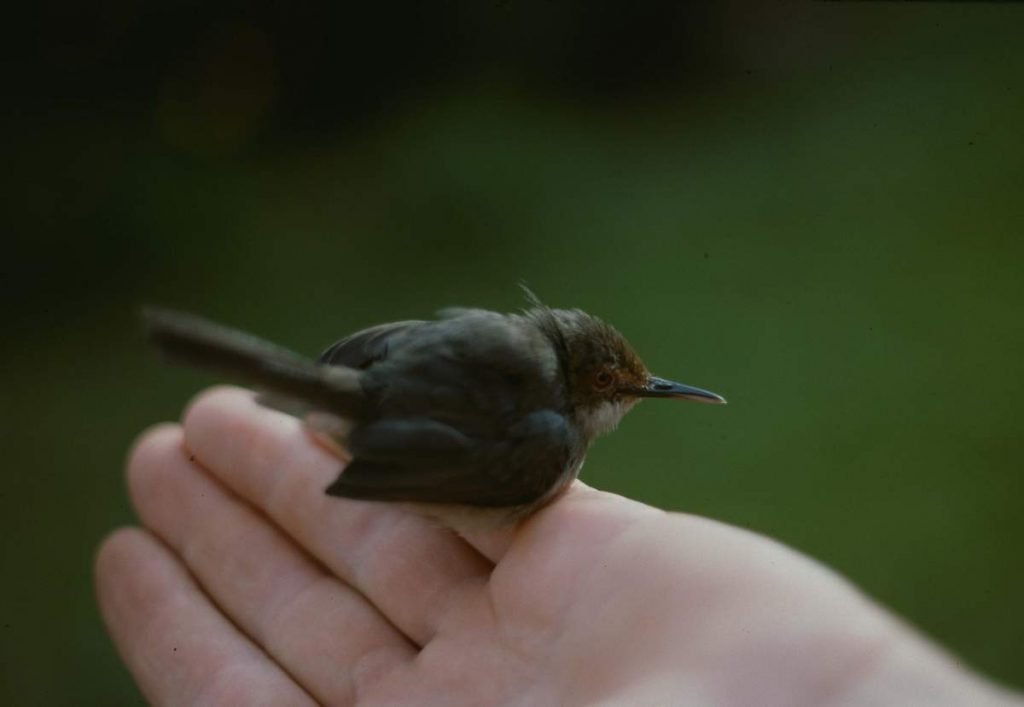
(358, 351)
(428, 461)
(361, 349)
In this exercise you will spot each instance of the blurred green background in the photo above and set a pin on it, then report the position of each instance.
(813, 209)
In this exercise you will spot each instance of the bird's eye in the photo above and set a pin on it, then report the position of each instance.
(603, 380)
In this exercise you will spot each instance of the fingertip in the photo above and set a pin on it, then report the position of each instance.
(228, 415)
(228, 431)
(213, 401)
(114, 548)
(147, 439)
(120, 557)
(149, 453)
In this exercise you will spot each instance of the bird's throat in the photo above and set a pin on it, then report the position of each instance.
(599, 419)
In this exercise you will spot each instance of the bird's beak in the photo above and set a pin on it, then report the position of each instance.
(661, 388)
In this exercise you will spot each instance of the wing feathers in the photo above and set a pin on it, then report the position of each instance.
(364, 347)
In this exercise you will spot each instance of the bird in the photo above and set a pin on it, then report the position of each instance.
(476, 410)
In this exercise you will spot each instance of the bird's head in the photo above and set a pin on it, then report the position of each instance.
(604, 375)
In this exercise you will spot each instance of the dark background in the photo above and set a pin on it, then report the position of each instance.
(812, 209)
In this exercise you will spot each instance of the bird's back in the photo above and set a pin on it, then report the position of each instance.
(473, 368)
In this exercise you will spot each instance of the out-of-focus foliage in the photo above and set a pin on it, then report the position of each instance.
(815, 210)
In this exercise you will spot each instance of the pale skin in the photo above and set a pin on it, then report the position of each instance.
(246, 585)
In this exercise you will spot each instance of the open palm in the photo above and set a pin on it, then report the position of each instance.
(248, 586)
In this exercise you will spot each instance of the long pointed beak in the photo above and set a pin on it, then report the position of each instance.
(661, 388)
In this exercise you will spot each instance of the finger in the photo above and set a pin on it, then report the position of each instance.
(574, 531)
(411, 568)
(494, 542)
(323, 632)
(177, 646)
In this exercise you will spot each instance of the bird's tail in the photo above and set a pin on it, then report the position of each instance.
(193, 341)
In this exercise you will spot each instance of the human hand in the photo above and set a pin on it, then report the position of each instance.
(248, 585)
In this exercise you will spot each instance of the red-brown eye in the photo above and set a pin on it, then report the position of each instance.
(603, 380)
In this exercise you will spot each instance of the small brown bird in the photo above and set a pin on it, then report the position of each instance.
(476, 409)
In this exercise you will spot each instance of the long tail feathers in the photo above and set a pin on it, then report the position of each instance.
(193, 341)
